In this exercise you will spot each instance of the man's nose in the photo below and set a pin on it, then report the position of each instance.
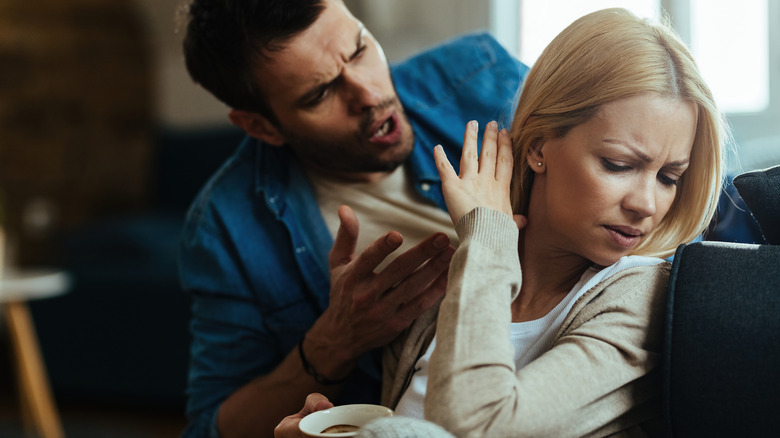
(361, 92)
(641, 199)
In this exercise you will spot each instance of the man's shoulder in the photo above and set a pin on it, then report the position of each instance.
(481, 47)
(236, 175)
(471, 76)
(458, 59)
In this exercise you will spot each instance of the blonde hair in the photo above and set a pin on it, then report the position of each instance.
(610, 55)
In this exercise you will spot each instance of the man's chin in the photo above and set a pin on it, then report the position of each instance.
(392, 163)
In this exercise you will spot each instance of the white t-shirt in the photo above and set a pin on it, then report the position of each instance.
(530, 338)
(391, 204)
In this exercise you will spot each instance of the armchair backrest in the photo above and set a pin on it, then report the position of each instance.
(722, 352)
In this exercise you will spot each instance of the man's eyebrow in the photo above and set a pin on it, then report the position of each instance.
(317, 88)
(314, 91)
(359, 43)
(643, 156)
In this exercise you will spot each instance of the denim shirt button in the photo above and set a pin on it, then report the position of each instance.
(425, 187)
(300, 249)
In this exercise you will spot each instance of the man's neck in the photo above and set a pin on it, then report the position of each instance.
(347, 177)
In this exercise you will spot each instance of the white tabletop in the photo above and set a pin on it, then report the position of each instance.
(29, 284)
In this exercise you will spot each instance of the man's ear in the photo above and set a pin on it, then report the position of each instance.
(257, 126)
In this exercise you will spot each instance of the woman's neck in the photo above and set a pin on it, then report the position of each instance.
(549, 274)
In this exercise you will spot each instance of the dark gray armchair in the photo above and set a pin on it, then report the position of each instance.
(722, 359)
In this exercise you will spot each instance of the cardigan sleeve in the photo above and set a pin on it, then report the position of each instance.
(593, 381)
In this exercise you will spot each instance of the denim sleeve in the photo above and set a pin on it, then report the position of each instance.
(202, 426)
(230, 344)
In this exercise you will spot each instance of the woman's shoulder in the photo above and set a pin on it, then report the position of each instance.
(636, 287)
(632, 272)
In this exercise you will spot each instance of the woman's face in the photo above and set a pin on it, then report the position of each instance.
(607, 184)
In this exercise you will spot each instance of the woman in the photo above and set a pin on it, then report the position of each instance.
(551, 325)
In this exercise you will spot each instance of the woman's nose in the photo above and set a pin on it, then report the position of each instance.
(641, 199)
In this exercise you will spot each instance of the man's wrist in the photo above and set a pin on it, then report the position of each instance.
(309, 368)
(324, 359)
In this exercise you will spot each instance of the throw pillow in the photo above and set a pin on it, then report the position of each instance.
(760, 189)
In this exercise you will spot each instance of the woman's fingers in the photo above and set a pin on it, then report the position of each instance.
(446, 171)
(487, 158)
(469, 158)
(505, 161)
(484, 175)
(493, 159)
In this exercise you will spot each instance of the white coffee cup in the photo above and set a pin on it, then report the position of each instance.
(357, 415)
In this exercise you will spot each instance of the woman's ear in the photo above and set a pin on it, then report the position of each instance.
(257, 126)
(535, 157)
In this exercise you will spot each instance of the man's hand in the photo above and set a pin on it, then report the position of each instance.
(369, 309)
(484, 179)
(288, 427)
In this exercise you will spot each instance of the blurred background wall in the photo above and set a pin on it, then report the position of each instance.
(76, 113)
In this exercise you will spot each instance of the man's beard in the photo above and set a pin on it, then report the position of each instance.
(355, 153)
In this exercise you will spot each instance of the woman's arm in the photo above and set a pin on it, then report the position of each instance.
(596, 372)
(588, 383)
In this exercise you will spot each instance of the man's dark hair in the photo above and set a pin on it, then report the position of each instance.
(227, 39)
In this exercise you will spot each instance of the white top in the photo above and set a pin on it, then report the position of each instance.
(530, 338)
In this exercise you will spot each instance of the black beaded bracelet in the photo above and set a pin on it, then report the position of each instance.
(309, 368)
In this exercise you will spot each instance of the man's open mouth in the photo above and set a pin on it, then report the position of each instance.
(385, 128)
(387, 131)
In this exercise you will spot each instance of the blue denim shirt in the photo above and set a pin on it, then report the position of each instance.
(254, 250)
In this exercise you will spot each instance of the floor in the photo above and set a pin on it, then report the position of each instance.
(88, 419)
(83, 420)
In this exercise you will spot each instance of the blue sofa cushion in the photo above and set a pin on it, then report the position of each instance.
(760, 189)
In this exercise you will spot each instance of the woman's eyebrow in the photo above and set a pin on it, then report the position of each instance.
(643, 156)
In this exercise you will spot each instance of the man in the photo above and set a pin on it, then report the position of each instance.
(276, 314)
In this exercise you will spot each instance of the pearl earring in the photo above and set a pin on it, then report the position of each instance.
(539, 164)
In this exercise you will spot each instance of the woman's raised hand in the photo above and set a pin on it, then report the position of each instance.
(484, 177)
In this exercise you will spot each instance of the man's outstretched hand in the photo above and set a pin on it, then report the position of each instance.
(369, 309)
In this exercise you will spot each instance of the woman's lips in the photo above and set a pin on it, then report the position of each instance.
(626, 237)
(386, 131)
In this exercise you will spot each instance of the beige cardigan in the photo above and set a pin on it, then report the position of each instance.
(600, 377)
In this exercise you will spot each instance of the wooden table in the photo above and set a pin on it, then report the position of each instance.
(38, 408)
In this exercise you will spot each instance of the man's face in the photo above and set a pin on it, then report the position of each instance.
(331, 91)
